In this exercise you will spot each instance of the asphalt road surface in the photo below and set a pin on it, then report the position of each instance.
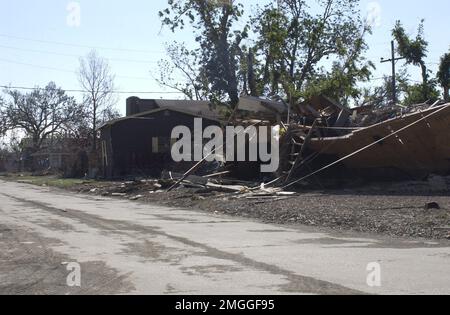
(124, 247)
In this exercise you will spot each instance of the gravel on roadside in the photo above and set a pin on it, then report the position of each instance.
(395, 210)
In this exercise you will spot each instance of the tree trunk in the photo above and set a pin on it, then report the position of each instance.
(233, 92)
(94, 128)
(426, 89)
(251, 75)
(446, 94)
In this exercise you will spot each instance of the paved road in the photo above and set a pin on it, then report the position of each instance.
(126, 247)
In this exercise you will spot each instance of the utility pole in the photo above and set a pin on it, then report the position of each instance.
(394, 83)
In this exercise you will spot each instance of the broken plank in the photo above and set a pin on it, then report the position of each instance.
(227, 188)
(217, 174)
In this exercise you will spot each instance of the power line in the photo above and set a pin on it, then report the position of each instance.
(382, 78)
(63, 70)
(376, 79)
(80, 46)
(83, 91)
(71, 55)
(36, 66)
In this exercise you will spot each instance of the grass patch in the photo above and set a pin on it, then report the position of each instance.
(51, 181)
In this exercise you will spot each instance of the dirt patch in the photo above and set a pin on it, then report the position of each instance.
(152, 251)
(32, 268)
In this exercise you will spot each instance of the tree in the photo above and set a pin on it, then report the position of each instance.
(183, 66)
(294, 44)
(414, 51)
(97, 80)
(218, 38)
(443, 75)
(3, 118)
(341, 82)
(10, 152)
(414, 93)
(381, 95)
(42, 113)
(407, 92)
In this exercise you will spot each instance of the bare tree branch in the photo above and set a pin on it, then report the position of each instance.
(40, 113)
(96, 79)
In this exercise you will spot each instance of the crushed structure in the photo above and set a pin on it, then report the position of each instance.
(393, 142)
(319, 137)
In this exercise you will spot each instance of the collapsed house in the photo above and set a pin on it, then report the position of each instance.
(382, 143)
(319, 137)
(421, 149)
(265, 110)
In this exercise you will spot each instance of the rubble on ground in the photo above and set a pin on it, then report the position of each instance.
(396, 209)
(139, 188)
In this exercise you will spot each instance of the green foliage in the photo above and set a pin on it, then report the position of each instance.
(341, 82)
(3, 118)
(218, 38)
(444, 70)
(382, 95)
(286, 56)
(407, 93)
(51, 181)
(183, 63)
(415, 51)
(414, 94)
(294, 44)
(443, 75)
(296, 50)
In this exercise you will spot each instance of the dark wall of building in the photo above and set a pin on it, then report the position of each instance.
(135, 105)
(130, 146)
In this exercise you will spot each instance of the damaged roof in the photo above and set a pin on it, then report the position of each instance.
(258, 105)
(136, 105)
(157, 110)
(318, 105)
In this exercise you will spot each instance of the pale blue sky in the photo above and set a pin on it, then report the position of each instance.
(129, 34)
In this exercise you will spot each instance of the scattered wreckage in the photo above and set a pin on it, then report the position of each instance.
(386, 143)
(325, 139)
(319, 138)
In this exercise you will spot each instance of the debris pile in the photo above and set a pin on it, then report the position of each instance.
(200, 185)
(393, 142)
(404, 213)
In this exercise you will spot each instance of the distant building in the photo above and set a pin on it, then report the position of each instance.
(63, 155)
